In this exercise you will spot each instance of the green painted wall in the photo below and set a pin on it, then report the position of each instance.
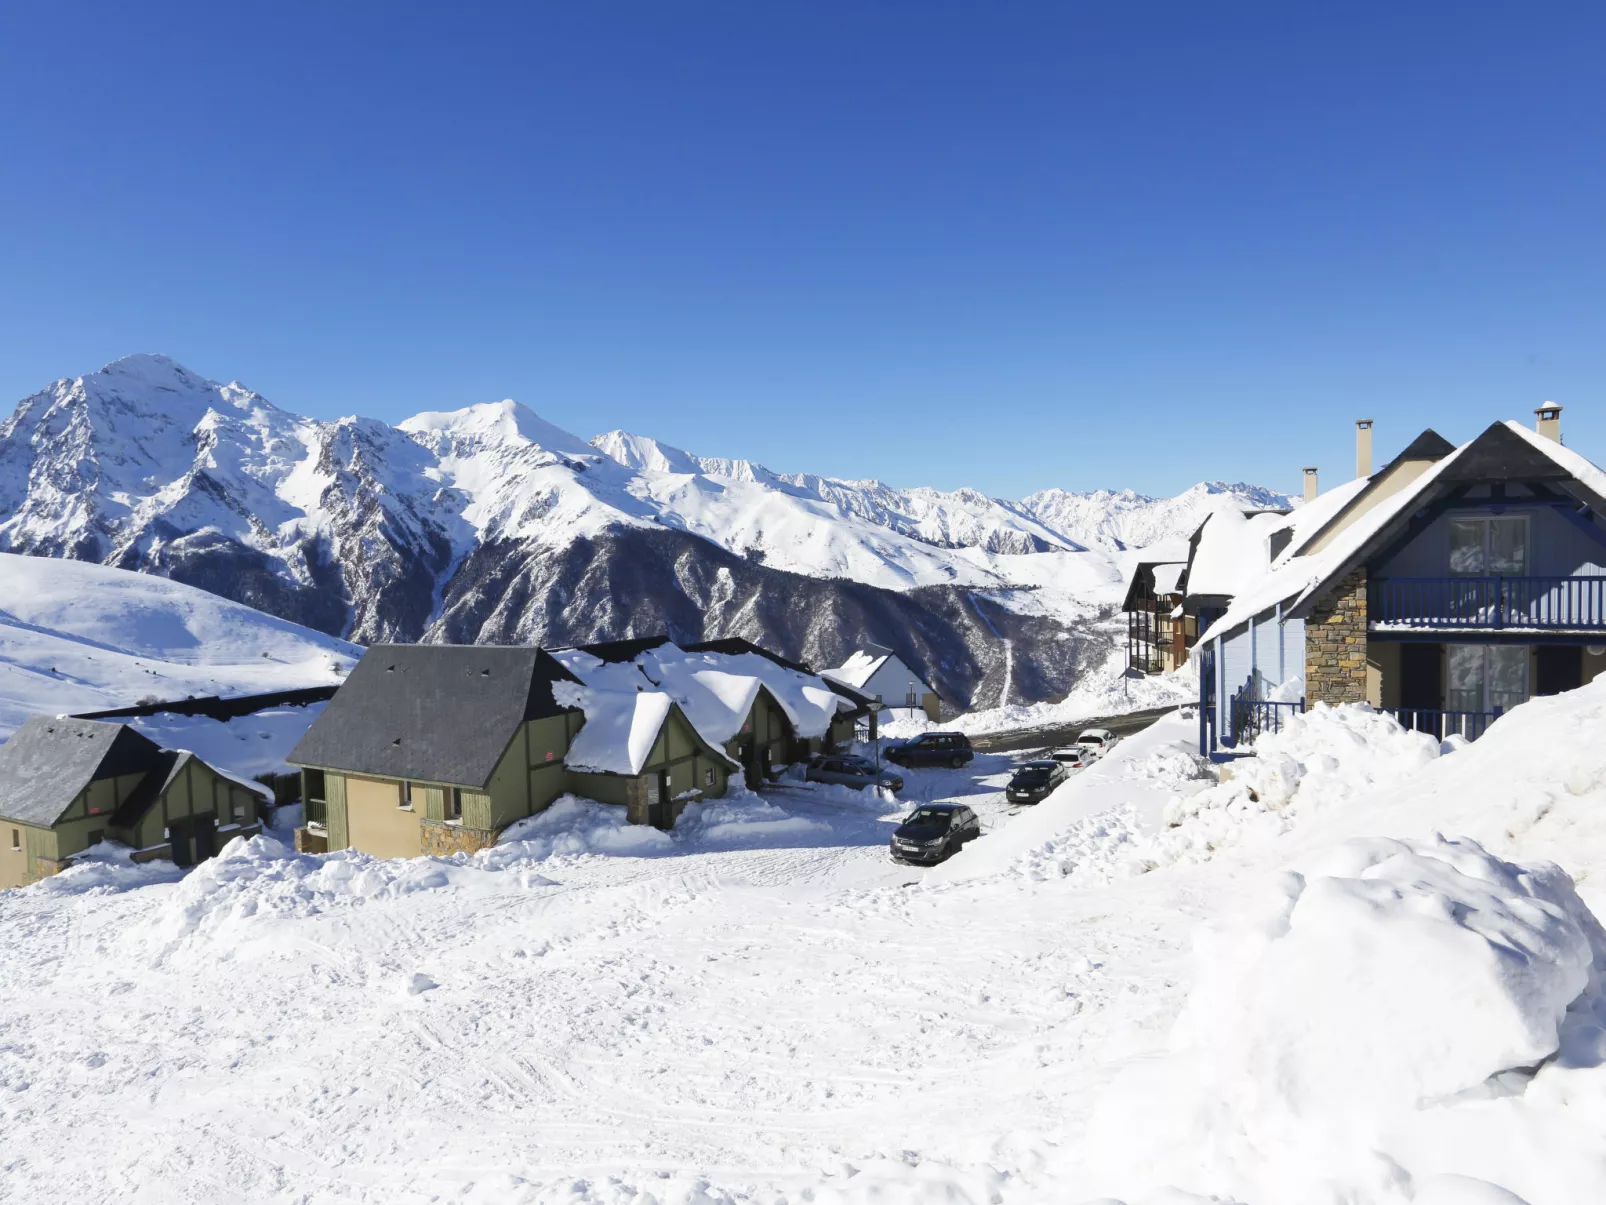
(334, 788)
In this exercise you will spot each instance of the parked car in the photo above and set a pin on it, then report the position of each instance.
(1100, 740)
(851, 771)
(1034, 781)
(934, 831)
(1072, 757)
(933, 749)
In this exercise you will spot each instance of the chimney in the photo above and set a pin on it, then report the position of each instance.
(1310, 483)
(1363, 447)
(1548, 422)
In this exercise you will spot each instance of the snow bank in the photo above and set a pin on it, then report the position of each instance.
(572, 825)
(1321, 761)
(1392, 978)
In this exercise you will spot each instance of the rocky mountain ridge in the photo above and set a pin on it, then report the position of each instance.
(490, 524)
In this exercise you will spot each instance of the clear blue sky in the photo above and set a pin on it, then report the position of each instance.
(1004, 245)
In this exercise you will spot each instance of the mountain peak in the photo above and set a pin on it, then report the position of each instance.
(504, 422)
(152, 368)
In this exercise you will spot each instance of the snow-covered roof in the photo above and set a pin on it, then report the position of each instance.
(1298, 579)
(714, 691)
(1232, 550)
(620, 728)
(858, 669)
(1167, 576)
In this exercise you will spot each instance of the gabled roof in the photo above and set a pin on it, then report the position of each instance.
(1504, 452)
(1146, 575)
(432, 712)
(49, 761)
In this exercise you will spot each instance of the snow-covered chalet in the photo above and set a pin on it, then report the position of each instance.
(431, 749)
(1446, 588)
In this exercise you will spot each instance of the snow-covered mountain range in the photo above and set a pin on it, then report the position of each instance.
(490, 524)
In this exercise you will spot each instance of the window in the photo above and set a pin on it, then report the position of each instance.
(315, 787)
(652, 789)
(454, 803)
(407, 796)
(1482, 547)
(16, 838)
(1485, 676)
(708, 777)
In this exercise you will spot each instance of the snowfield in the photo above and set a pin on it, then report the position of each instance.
(78, 637)
(1365, 970)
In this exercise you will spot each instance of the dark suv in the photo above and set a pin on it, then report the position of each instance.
(933, 831)
(933, 749)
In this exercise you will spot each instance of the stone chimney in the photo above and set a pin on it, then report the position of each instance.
(1310, 483)
(1548, 421)
(1363, 447)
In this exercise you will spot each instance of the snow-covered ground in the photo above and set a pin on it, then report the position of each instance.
(76, 636)
(1152, 988)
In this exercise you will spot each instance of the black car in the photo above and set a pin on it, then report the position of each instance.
(934, 831)
(1033, 781)
(933, 749)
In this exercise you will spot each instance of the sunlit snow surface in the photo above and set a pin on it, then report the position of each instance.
(80, 637)
(1150, 988)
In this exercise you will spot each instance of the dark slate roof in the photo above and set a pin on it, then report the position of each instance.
(1500, 454)
(432, 712)
(735, 646)
(622, 650)
(48, 761)
(1429, 445)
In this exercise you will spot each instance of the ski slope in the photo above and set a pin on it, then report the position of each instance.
(76, 636)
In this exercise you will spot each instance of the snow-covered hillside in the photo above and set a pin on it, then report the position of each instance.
(1349, 974)
(488, 523)
(78, 637)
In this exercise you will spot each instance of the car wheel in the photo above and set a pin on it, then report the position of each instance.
(957, 762)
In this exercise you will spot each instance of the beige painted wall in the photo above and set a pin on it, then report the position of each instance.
(13, 862)
(374, 822)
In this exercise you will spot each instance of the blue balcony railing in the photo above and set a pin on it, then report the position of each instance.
(1536, 603)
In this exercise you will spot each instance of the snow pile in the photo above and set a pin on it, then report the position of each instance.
(1322, 760)
(1393, 979)
(571, 826)
(107, 868)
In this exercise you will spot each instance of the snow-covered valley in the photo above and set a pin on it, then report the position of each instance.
(760, 1007)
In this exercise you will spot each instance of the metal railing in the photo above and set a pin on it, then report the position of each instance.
(1441, 724)
(1252, 718)
(316, 811)
(1576, 603)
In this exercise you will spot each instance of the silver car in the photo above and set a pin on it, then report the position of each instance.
(851, 770)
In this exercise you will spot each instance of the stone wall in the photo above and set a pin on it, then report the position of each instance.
(1335, 644)
(441, 837)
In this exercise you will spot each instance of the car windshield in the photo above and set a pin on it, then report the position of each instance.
(929, 816)
(858, 764)
(1032, 774)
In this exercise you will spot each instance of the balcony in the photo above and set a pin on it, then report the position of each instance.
(1536, 604)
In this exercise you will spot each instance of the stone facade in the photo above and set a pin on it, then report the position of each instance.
(1335, 644)
(440, 837)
